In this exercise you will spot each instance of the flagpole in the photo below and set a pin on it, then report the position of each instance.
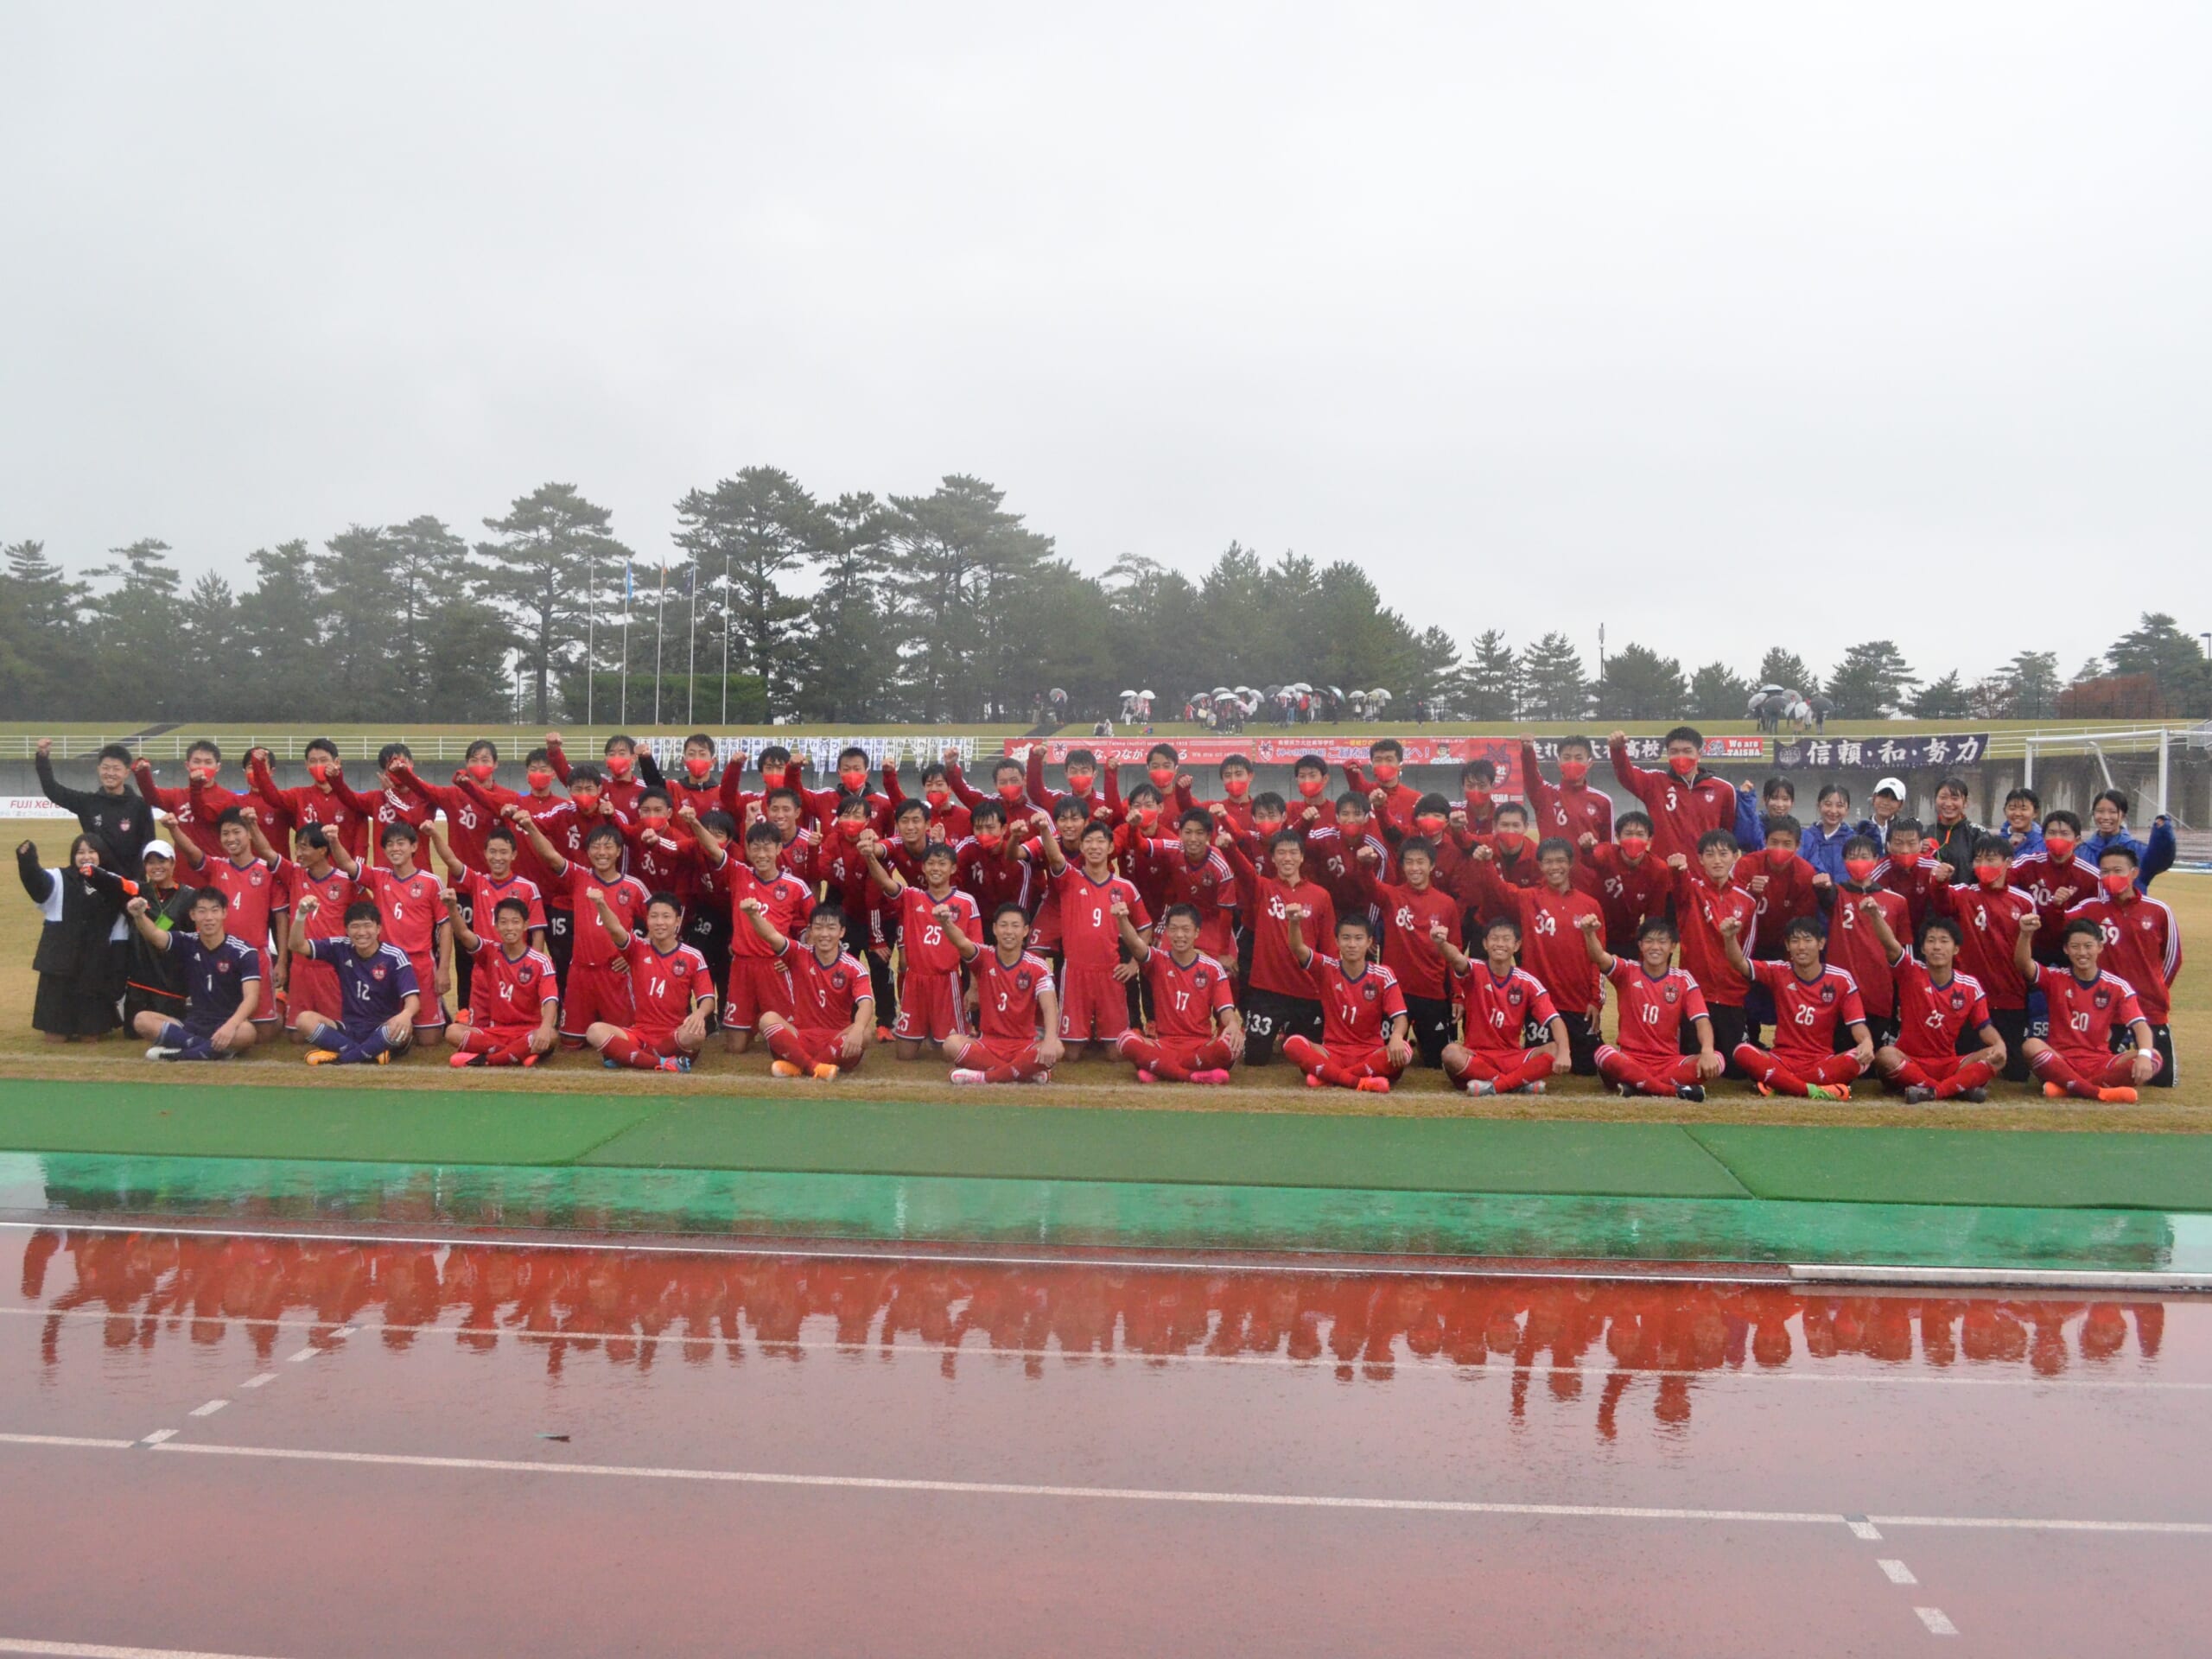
(624, 716)
(591, 637)
(660, 611)
(691, 640)
(725, 639)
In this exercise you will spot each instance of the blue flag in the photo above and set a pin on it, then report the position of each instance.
(629, 588)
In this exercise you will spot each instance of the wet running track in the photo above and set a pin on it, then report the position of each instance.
(252, 1445)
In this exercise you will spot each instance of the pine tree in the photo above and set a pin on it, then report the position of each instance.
(1718, 692)
(1554, 686)
(748, 535)
(959, 563)
(40, 626)
(1782, 667)
(2174, 660)
(280, 632)
(851, 651)
(1871, 681)
(136, 622)
(1638, 683)
(1491, 685)
(429, 568)
(2032, 681)
(1943, 699)
(553, 562)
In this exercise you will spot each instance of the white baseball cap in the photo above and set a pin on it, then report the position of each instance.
(157, 850)
(1891, 787)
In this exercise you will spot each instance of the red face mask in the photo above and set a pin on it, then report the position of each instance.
(2116, 882)
(1634, 847)
(699, 766)
(1267, 826)
(989, 838)
(1478, 798)
(1860, 869)
(937, 794)
(482, 771)
(1573, 772)
(1683, 765)
(1236, 788)
(540, 779)
(1311, 787)
(587, 799)
(1161, 776)
(1386, 772)
(1430, 824)
(618, 765)
(1990, 875)
(1011, 791)
(202, 774)
(854, 779)
(773, 779)
(1079, 782)
(1778, 858)
(1147, 815)
(2059, 847)
(318, 770)
(1512, 840)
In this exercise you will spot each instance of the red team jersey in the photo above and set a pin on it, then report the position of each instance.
(1681, 810)
(824, 995)
(1932, 1017)
(1209, 887)
(2056, 888)
(1790, 893)
(1407, 951)
(1853, 947)
(1571, 811)
(2142, 944)
(1652, 1010)
(991, 875)
(1354, 1011)
(1912, 882)
(1629, 893)
(593, 949)
(412, 909)
(195, 811)
(663, 868)
(253, 891)
(1551, 942)
(509, 994)
(1807, 1012)
(1262, 898)
(1499, 1009)
(787, 899)
(307, 804)
(1005, 995)
(1187, 997)
(1990, 922)
(1699, 908)
(1090, 935)
(663, 986)
(484, 896)
(2083, 1013)
(921, 936)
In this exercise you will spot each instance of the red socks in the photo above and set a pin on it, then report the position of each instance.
(1519, 1073)
(1762, 1065)
(1023, 1067)
(621, 1049)
(786, 1044)
(1618, 1068)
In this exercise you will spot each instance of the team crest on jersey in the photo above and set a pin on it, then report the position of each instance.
(1827, 992)
(2102, 999)
(2148, 923)
(1367, 991)
(253, 878)
(123, 826)
(1021, 981)
(1512, 996)
(1667, 993)
(222, 967)
(524, 975)
(837, 982)
(377, 972)
(1958, 999)
(1198, 979)
(680, 968)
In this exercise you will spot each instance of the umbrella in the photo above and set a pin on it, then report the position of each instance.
(1336, 691)
(1058, 695)
(1128, 694)
(1224, 691)
(1378, 696)
(1148, 692)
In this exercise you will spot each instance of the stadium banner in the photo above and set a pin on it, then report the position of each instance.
(30, 806)
(1265, 750)
(821, 752)
(1880, 754)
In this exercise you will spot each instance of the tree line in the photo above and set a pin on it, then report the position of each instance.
(944, 608)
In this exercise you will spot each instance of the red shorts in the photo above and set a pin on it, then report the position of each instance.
(1094, 1005)
(758, 985)
(596, 996)
(1940, 1068)
(1374, 1062)
(430, 1007)
(313, 991)
(983, 1053)
(929, 1008)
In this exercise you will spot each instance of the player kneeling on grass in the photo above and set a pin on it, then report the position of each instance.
(2089, 1009)
(833, 1004)
(1811, 1000)
(222, 981)
(1503, 999)
(1935, 1003)
(1017, 1007)
(377, 989)
(670, 990)
(514, 1005)
(1196, 1034)
(1362, 1043)
(1652, 999)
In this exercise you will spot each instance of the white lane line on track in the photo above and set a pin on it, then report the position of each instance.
(1407, 1365)
(1896, 1572)
(210, 1408)
(1862, 1528)
(1937, 1621)
(101, 1650)
(305, 1353)
(158, 1437)
(66, 1439)
(2190, 1529)
(260, 1381)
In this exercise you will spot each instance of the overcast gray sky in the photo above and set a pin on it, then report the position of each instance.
(1721, 325)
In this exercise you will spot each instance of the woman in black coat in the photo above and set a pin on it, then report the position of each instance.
(79, 982)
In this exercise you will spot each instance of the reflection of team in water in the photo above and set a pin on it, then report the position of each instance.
(639, 1309)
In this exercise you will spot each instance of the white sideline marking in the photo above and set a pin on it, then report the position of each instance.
(99, 1650)
(2186, 1527)
(66, 1439)
(1407, 1364)
(1937, 1622)
(1897, 1572)
(157, 1437)
(305, 1353)
(1867, 1529)
(210, 1408)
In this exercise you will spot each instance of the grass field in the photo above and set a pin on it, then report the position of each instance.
(2187, 1109)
